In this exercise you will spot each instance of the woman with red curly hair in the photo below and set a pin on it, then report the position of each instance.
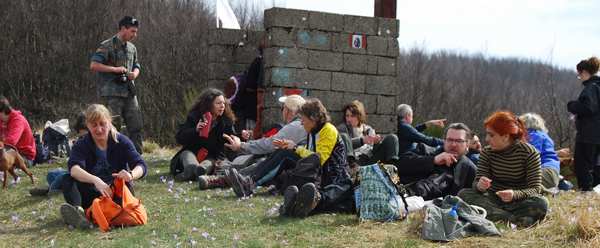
(509, 179)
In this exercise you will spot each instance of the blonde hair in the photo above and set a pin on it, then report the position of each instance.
(534, 121)
(98, 112)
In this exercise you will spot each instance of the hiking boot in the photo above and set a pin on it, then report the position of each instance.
(74, 216)
(39, 191)
(211, 182)
(243, 186)
(289, 199)
(306, 200)
(187, 174)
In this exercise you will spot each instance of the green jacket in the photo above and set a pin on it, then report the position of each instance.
(115, 52)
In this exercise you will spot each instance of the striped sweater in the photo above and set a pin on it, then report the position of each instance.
(517, 167)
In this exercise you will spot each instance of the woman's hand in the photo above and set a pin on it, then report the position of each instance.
(123, 174)
(102, 187)
(484, 183)
(506, 195)
(284, 144)
(201, 124)
(371, 139)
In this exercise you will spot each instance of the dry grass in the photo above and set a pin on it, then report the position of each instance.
(181, 214)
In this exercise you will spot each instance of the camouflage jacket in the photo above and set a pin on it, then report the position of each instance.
(114, 52)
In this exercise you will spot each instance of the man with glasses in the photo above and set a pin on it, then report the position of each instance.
(444, 171)
(116, 65)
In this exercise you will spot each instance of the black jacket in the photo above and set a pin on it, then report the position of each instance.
(188, 137)
(587, 111)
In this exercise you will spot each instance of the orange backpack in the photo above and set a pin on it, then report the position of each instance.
(106, 213)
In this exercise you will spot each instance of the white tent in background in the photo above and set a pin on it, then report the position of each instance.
(225, 16)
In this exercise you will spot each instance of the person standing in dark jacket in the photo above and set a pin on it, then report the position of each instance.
(409, 136)
(200, 154)
(587, 120)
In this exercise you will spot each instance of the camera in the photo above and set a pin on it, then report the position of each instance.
(123, 78)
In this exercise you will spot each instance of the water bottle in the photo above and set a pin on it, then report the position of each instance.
(451, 222)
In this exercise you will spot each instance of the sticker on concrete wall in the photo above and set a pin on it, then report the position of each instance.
(358, 41)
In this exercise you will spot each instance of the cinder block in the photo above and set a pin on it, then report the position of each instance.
(325, 21)
(360, 24)
(220, 53)
(348, 82)
(245, 54)
(333, 101)
(372, 65)
(377, 45)
(386, 105)
(341, 43)
(355, 63)
(271, 99)
(285, 57)
(281, 17)
(255, 37)
(393, 49)
(299, 78)
(381, 85)
(370, 101)
(270, 116)
(316, 40)
(337, 117)
(327, 61)
(386, 66)
(383, 124)
(388, 27)
(222, 36)
(280, 37)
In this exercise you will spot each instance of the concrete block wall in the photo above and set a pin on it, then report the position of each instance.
(230, 52)
(313, 51)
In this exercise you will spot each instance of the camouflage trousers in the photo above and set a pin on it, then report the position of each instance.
(524, 212)
(127, 109)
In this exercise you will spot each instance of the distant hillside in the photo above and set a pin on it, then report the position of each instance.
(46, 46)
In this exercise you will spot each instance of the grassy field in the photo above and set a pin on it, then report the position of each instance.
(181, 215)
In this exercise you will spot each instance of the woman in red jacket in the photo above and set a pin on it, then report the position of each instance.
(15, 131)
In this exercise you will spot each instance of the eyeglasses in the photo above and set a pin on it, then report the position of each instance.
(455, 141)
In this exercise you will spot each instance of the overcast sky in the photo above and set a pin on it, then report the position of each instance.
(561, 32)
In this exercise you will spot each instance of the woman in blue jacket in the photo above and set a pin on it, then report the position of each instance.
(96, 160)
(539, 138)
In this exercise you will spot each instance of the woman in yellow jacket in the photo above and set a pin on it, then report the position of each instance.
(332, 191)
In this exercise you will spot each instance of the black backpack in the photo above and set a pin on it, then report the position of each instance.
(42, 153)
(56, 143)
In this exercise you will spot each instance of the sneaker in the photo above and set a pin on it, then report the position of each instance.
(307, 200)
(289, 199)
(243, 186)
(187, 173)
(74, 216)
(565, 185)
(211, 182)
(39, 191)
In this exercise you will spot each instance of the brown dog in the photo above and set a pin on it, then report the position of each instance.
(8, 159)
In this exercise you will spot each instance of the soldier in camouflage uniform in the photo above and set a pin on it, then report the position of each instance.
(116, 65)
